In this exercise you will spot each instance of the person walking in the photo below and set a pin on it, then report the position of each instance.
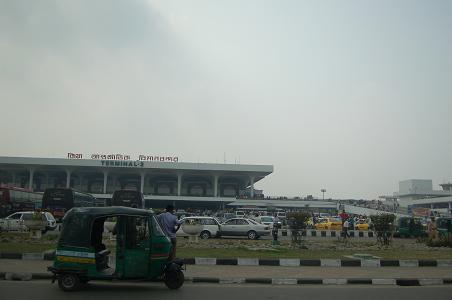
(345, 229)
(432, 229)
(170, 225)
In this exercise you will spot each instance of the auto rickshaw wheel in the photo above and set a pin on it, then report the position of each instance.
(174, 279)
(68, 282)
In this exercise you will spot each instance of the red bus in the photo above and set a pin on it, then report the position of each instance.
(13, 199)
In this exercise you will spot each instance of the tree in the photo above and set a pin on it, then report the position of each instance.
(383, 225)
(297, 224)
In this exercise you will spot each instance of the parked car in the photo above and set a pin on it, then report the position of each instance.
(210, 227)
(362, 225)
(329, 224)
(224, 217)
(267, 220)
(240, 214)
(244, 227)
(281, 215)
(15, 221)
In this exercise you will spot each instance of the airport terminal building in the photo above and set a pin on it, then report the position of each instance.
(163, 180)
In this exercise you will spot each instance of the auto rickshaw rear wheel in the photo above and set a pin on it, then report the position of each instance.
(68, 282)
(174, 279)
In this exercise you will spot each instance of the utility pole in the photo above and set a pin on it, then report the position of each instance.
(323, 194)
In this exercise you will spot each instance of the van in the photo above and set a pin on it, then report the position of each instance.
(281, 214)
(240, 214)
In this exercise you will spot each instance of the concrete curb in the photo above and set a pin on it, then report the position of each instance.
(272, 281)
(284, 262)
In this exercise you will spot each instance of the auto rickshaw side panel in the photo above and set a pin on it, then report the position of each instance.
(75, 259)
(74, 251)
(160, 249)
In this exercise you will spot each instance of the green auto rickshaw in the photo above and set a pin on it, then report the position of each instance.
(410, 227)
(140, 251)
(444, 226)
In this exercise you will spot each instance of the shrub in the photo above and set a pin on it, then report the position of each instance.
(443, 241)
(383, 225)
(297, 222)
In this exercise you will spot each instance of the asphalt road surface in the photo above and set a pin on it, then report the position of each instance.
(40, 289)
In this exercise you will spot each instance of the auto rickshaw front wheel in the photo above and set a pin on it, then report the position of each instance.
(174, 279)
(69, 282)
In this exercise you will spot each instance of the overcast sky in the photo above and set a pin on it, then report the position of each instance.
(350, 96)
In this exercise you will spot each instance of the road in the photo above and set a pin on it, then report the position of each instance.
(39, 289)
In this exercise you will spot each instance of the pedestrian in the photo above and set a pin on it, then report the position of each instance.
(345, 229)
(432, 230)
(275, 229)
(344, 216)
(170, 225)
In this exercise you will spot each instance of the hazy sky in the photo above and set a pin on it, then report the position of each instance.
(350, 96)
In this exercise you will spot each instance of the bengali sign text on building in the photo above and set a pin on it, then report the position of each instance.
(124, 157)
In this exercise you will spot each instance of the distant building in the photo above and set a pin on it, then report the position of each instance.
(419, 193)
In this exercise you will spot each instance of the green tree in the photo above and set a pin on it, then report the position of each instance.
(383, 225)
(297, 222)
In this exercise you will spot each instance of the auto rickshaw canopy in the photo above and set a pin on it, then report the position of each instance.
(78, 222)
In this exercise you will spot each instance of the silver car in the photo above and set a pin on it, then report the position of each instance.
(210, 227)
(15, 221)
(244, 227)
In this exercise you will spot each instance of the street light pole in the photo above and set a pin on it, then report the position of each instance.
(323, 194)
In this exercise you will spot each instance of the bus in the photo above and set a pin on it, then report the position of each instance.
(129, 198)
(13, 199)
(59, 200)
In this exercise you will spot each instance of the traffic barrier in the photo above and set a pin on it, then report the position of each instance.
(328, 233)
(285, 262)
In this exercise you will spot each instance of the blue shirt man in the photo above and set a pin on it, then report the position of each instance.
(170, 224)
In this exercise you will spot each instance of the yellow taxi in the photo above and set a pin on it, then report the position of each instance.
(329, 224)
(362, 225)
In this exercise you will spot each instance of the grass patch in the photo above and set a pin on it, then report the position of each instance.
(25, 247)
(310, 254)
(233, 248)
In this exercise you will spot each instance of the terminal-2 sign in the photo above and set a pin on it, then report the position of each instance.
(122, 163)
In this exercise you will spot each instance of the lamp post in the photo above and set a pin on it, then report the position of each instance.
(323, 194)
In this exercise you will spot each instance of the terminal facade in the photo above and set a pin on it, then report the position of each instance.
(201, 185)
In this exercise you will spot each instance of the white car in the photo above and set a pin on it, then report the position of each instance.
(266, 220)
(244, 227)
(15, 221)
(210, 227)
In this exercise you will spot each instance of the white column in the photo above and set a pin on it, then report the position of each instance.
(179, 183)
(68, 179)
(215, 185)
(105, 181)
(30, 183)
(114, 179)
(143, 175)
(252, 186)
(47, 180)
(80, 179)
